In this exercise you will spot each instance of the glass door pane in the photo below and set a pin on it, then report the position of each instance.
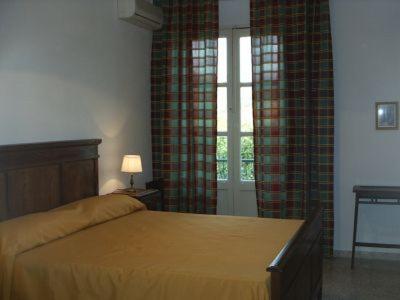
(245, 60)
(222, 158)
(247, 158)
(246, 109)
(222, 60)
(222, 111)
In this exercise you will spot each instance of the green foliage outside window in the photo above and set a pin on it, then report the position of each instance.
(247, 158)
(222, 158)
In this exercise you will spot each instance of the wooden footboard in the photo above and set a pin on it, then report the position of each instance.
(296, 273)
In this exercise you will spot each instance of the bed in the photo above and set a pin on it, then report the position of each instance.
(147, 254)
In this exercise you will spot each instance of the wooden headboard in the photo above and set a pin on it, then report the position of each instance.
(38, 177)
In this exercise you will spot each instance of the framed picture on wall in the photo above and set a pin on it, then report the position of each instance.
(386, 115)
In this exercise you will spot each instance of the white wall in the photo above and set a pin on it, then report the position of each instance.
(72, 70)
(366, 46)
(234, 13)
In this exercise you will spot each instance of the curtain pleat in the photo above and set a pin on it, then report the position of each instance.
(184, 104)
(293, 109)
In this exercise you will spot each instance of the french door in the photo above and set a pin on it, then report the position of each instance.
(235, 155)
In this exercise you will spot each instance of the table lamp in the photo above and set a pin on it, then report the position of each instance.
(131, 164)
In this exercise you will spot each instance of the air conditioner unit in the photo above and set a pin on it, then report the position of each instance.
(141, 13)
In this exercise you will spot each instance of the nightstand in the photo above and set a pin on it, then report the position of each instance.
(151, 197)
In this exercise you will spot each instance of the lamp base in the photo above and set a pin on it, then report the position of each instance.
(132, 188)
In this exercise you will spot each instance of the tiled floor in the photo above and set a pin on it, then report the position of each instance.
(370, 279)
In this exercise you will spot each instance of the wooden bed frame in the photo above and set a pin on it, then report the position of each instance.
(38, 177)
(296, 273)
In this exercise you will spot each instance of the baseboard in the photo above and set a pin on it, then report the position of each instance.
(367, 255)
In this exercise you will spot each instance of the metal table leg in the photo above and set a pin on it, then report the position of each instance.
(354, 232)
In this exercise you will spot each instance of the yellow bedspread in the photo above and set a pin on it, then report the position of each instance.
(156, 255)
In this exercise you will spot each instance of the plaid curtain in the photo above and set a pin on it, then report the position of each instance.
(184, 104)
(293, 109)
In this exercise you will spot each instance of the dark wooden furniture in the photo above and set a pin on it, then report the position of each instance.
(150, 197)
(38, 177)
(157, 184)
(373, 195)
(296, 273)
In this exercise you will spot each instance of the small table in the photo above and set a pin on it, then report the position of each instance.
(374, 195)
(150, 197)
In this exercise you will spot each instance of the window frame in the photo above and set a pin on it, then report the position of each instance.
(225, 183)
(234, 133)
(237, 34)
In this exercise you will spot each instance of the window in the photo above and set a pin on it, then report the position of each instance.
(222, 115)
(246, 110)
(235, 154)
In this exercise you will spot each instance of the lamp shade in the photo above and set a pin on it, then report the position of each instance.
(131, 164)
